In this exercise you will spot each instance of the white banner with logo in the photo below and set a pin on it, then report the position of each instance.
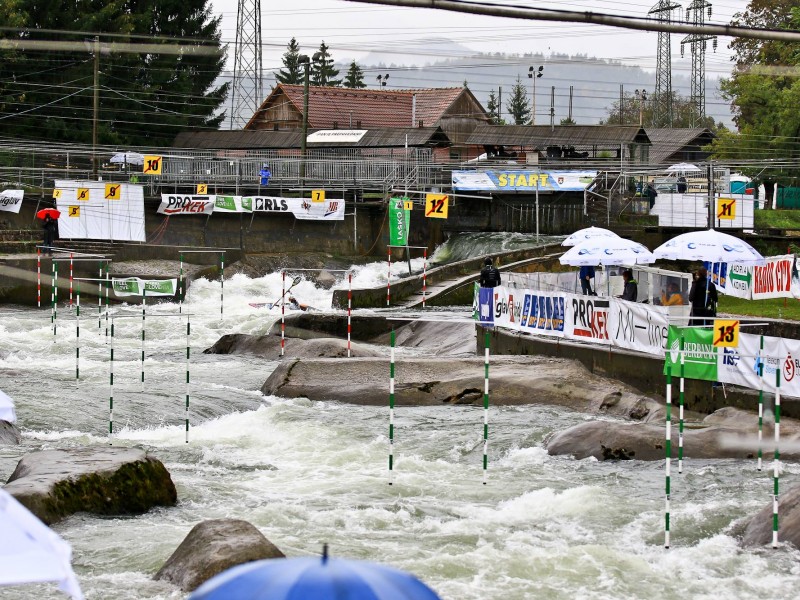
(186, 204)
(587, 318)
(522, 180)
(529, 311)
(11, 200)
(302, 208)
(638, 326)
(773, 280)
(87, 214)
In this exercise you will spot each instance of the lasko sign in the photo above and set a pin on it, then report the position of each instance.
(189, 204)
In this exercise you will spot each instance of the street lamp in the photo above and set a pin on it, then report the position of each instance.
(641, 95)
(382, 79)
(534, 74)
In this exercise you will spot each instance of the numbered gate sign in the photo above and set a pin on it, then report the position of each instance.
(57, 193)
(202, 189)
(318, 195)
(113, 191)
(726, 209)
(408, 205)
(436, 206)
(83, 194)
(726, 333)
(152, 165)
(74, 211)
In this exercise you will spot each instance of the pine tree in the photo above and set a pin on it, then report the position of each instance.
(355, 77)
(493, 108)
(322, 71)
(519, 106)
(293, 72)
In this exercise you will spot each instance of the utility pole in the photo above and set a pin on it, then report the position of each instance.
(697, 96)
(662, 100)
(96, 103)
(247, 87)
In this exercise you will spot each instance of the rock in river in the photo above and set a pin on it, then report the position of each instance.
(213, 547)
(54, 484)
(9, 434)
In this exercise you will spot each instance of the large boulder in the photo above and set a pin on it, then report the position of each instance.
(758, 531)
(269, 346)
(213, 547)
(727, 433)
(54, 484)
(9, 434)
(436, 381)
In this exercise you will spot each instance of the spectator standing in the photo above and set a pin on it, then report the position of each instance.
(490, 275)
(586, 276)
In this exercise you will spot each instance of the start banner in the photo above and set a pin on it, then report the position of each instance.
(11, 200)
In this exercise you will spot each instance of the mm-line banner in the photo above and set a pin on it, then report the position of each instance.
(186, 204)
(133, 286)
(302, 208)
(11, 200)
(522, 180)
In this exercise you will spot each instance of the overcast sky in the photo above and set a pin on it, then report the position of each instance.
(353, 30)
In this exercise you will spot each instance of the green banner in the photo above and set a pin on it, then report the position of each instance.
(225, 203)
(126, 287)
(133, 286)
(160, 287)
(399, 220)
(247, 204)
(700, 360)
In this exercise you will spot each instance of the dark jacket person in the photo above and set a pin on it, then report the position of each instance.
(703, 298)
(50, 226)
(490, 275)
(631, 290)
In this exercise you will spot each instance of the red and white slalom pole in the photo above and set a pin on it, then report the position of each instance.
(283, 312)
(349, 308)
(38, 277)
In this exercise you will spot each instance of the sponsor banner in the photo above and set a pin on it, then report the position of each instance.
(11, 200)
(737, 281)
(700, 354)
(231, 204)
(773, 280)
(186, 204)
(587, 318)
(528, 311)
(485, 305)
(399, 219)
(302, 208)
(638, 326)
(523, 180)
(133, 286)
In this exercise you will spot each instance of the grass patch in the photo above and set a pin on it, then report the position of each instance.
(775, 308)
(777, 219)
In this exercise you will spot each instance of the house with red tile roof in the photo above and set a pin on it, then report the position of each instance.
(455, 110)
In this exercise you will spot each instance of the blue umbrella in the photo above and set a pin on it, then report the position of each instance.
(313, 578)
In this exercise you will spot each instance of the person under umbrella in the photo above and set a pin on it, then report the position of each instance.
(50, 228)
(586, 275)
(631, 290)
(703, 298)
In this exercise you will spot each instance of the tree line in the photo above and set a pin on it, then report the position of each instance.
(321, 70)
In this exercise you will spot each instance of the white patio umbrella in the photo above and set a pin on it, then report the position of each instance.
(709, 245)
(683, 168)
(588, 233)
(31, 552)
(607, 252)
(7, 408)
(128, 158)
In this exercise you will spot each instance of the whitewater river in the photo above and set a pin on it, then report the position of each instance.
(311, 473)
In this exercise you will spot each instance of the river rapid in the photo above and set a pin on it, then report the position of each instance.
(311, 473)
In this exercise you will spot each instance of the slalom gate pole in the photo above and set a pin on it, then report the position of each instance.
(188, 350)
(100, 298)
(78, 333)
(777, 462)
(668, 446)
(53, 296)
(108, 283)
(283, 312)
(181, 291)
(485, 406)
(760, 401)
(680, 411)
(349, 308)
(70, 278)
(389, 279)
(55, 301)
(221, 283)
(144, 310)
(111, 392)
(391, 411)
(38, 277)
(424, 274)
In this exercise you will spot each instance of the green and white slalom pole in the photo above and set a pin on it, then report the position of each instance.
(668, 446)
(100, 299)
(144, 312)
(181, 289)
(777, 462)
(680, 411)
(188, 350)
(760, 400)
(108, 284)
(485, 406)
(391, 411)
(77, 331)
(221, 283)
(111, 391)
